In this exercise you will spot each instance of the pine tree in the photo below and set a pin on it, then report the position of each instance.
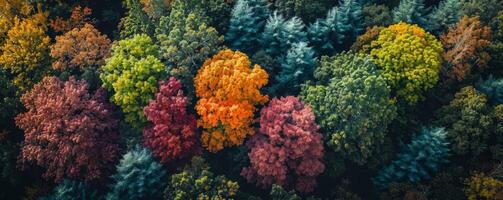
(410, 11)
(349, 22)
(423, 156)
(139, 176)
(444, 16)
(70, 190)
(298, 67)
(248, 18)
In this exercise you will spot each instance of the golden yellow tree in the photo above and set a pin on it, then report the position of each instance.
(228, 90)
(26, 49)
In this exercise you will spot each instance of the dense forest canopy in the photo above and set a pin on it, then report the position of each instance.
(251, 99)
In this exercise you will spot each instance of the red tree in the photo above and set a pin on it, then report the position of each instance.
(172, 136)
(287, 149)
(69, 132)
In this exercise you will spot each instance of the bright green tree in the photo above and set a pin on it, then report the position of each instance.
(132, 73)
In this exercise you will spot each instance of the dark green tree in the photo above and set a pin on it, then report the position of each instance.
(418, 160)
(444, 16)
(493, 89)
(71, 190)
(136, 20)
(411, 12)
(138, 176)
(280, 34)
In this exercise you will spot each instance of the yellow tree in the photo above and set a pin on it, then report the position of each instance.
(228, 90)
(26, 49)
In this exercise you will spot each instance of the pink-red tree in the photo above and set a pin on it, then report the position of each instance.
(288, 149)
(69, 132)
(172, 134)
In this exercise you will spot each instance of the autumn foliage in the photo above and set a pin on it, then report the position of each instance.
(80, 48)
(466, 45)
(228, 90)
(78, 18)
(288, 149)
(173, 133)
(69, 132)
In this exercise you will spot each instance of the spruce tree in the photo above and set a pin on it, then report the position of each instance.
(297, 67)
(444, 16)
(70, 190)
(248, 18)
(280, 34)
(423, 156)
(493, 89)
(136, 20)
(410, 11)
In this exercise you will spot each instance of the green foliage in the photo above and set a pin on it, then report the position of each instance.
(485, 9)
(411, 12)
(423, 156)
(8, 101)
(444, 16)
(70, 190)
(298, 67)
(352, 104)
(185, 47)
(278, 193)
(138, 176)
(248, 18)
(280, 34)
(9, 152)
(196, 181)
(468, 122)
(308, 10)
(339, 29)
(376, 15)
(136, 20)
(132, 73)
(493, 89)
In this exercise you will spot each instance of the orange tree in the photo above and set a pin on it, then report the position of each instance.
(228, 90)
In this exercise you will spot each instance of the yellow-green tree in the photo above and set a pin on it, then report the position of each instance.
(410, 58)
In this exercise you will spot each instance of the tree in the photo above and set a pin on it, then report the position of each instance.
(8, 101)
(466, 45)
(408, 75)
(8, 11)
(133, 72)
(25, 52)
(67, 131)
(339, 29)
(247, 19)
(228, 90)
(172, 136)
(418, 160)
(278, 193)
(287, 149)
(138, 176)
(486, 9)
(308, 10)
(298, 67)
(78, 18)
(351, 101)
(196, 181)
(136, 20)
(280, 34)
(468, 122)
(186, 46)
(80, 52)
(493, 89)
(155, 9)
(444, 16)
(363, 42)
(376, 15)
(69, 190)
(482, 186)
(411, 12)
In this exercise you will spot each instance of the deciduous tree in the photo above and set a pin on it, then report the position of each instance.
(172, 134)
(228, 91)
(132, 73)
(287, 149)
(465, 46)
(68, 132)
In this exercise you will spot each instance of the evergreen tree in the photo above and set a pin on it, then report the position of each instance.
(136, 20)
(410, 11)
(423, 156)
(138, 176)
(70, 190)
(248, 18)
(280, 34)
(349, 22)
(493, 89)
(298, 67)
(444, 16)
